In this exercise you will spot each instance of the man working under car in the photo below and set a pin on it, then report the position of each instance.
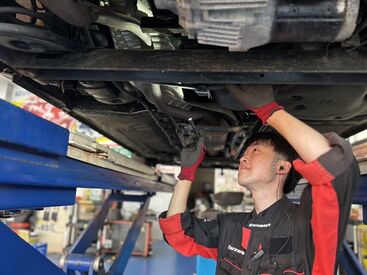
(278, 237)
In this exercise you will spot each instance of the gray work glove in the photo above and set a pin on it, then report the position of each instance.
(257, 98)
(191, 158)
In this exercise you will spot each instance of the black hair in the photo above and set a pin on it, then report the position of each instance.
(282, 147)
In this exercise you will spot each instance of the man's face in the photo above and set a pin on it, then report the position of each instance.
(257, 165)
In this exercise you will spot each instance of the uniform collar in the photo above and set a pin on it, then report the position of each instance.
(271, 210)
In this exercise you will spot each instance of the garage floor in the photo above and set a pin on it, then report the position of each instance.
(165, 261)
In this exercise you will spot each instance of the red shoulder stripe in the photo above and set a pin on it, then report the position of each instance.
(325, 215)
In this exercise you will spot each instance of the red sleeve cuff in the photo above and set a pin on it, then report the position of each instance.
(329, 165)
(171, 225)
(314, 172)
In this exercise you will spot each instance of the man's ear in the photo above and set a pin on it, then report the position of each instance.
(283, 167)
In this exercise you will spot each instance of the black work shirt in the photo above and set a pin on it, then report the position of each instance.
(285, 238)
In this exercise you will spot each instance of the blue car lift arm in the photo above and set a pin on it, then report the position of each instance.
(35, 173)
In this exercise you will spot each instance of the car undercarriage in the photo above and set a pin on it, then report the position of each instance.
(136, 71)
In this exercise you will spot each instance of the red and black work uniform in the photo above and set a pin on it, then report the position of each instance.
(286, 238)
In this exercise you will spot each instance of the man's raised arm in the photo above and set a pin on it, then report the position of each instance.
(190, 161)
(308, 143)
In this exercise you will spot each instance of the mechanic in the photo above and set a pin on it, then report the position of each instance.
(278, 236)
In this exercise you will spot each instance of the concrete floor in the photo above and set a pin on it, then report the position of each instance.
(164, 261)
